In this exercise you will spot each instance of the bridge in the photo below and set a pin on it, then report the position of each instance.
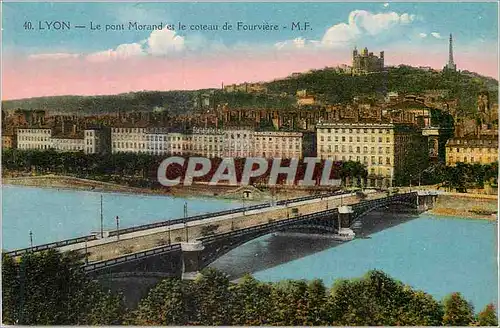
(115, 236)
(133, 259)
(186, 259)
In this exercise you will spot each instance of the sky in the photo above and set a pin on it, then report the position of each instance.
(39, 60)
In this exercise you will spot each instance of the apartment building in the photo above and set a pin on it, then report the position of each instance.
(91, 141)
(157, 141)
(278, 144)
(68, 144)
(238, 142)
(40, 139)
(207, 142)
(180, 143)
(472, 150)
(128, 139)
(384, 148)
(97, 141)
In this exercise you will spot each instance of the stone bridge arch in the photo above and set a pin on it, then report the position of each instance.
(358, 215)
(223, 244)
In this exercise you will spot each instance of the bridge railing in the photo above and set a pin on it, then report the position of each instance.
(44, 247)
(215, 214)
(131, 257)
(165, 223)
(259, 227)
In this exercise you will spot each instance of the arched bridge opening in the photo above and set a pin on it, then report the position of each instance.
(360, 213)
(219, 245)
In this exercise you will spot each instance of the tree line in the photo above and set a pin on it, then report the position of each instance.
(140, 169)
(50, 288)
(461, 176)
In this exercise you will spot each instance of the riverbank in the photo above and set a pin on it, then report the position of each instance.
(467, 206)
(195, 190)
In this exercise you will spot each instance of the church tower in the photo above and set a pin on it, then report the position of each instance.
(451, 64)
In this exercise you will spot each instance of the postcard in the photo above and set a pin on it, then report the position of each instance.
(250, 164)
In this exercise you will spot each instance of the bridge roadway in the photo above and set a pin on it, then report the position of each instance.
(163, 223)
(142, 239)
(108, 248)
(188, 258)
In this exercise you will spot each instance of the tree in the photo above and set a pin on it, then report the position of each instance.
(316, 304)
(457, 311)
(289, 299)
(379, 300)
(488, 316)
(421, 310)
(165, 304)
(251, 304)
(50, 288)
(212, 298)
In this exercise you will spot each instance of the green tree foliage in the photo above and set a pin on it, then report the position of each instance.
(332, 86)
(375, 299)
(251, 305)
(175, 101)
(328, 85)
(50, 288)
(212, 299)
(317, 314)
(140, 170)
(488, 316)
(457, 311)
(378, 300)
(166, 304)
(289, 299)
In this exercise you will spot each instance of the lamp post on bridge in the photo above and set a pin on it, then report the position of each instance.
(117, 227)
(102, 221)
(185, 220)
(169, 237)
(86, 252)
(31, 239)
(243, 202)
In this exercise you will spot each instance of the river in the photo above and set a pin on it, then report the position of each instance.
(439, 255)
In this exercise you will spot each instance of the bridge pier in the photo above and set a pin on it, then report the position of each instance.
(425, 200)
(191, 252)
(345, 216)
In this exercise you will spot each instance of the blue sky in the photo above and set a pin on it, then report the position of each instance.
(469, 22)
(81, 61)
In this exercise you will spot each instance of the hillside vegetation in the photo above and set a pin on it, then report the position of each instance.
(328, 85)
(333, 87)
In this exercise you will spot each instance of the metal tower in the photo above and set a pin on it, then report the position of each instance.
(451, 64)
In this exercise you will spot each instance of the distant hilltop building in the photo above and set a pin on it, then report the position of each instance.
(450, 66)
(366, 62)
(246, 87)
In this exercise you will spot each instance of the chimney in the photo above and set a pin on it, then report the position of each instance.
(62, 125)
(74, 129)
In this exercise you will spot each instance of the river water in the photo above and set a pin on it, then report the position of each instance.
(53, 214)
(439, 255)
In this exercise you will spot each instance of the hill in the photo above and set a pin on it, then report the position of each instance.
(330, 86)
(174, 101)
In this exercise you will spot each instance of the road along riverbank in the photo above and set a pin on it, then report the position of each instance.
(467, 206)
